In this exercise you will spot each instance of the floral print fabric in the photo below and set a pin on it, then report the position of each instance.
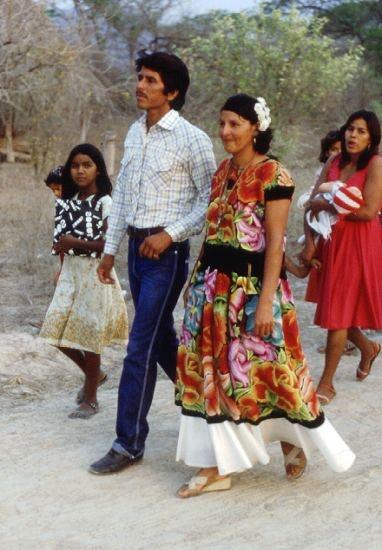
(223, 370)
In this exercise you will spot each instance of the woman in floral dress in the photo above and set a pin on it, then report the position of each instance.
(242, 378)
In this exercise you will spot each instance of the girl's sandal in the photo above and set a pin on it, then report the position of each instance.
(296, 458)
(203, 484)
(362, 374)
(81, 412)
(80, 397)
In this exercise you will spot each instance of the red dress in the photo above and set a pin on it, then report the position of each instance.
(350, 280)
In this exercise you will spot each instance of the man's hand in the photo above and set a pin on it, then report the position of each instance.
(153, 246)
(65, 243)
(104, 270)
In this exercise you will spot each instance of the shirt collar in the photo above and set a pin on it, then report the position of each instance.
(167, 122)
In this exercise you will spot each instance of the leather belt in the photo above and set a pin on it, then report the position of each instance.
(136, 233)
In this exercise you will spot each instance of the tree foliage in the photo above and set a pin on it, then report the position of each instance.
(284, 58)
(63, 71)
(357, 21)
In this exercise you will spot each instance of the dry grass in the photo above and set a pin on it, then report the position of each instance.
(26, 210)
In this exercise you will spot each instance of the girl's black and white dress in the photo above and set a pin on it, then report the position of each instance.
(84, 313)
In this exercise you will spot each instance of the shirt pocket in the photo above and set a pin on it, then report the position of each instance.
(163, 166)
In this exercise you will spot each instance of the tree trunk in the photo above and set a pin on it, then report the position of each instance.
(84, 126)
(9, 153)
(108, 147)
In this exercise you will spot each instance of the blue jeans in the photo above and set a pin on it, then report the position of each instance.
(155, 287)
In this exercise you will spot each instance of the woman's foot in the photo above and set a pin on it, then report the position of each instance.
(367, 360)
(325, 393)
(80, 397)
(205, 481)
(294, 460)
(85, 410)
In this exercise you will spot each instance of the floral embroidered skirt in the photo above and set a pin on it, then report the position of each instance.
(84, 313)
(238, 391)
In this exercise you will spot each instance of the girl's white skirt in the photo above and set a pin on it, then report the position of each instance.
(84, 313)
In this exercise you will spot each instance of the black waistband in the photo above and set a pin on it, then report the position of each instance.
(136, 233)
(228, 259)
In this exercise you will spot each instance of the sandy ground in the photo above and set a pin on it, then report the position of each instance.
(49, 500)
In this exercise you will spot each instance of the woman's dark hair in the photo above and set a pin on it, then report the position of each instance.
(103, 182)
(54, 176)
(244, 106)
(327, 143)
(374, 129)
(173, 72)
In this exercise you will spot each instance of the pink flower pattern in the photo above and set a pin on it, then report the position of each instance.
(250, 231)
(238, 362)
(210, 284)
(263, 350)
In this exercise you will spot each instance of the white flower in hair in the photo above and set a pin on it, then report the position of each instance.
(263, 114)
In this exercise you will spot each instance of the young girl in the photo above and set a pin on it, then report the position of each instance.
(54, 181)
(85, 314)
(330, 146)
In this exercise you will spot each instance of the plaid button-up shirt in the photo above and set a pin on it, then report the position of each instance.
(164, 180)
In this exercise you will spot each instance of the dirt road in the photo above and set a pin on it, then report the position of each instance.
(48, 500)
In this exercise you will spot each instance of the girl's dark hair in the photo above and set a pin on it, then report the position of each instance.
(327, 142)
(243, 105)
(173, 72)
(54, 176)
(374, 129)
(103, 182)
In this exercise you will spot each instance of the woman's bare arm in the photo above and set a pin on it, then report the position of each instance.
(276, 217)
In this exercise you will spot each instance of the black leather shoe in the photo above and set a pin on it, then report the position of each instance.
(113, 462)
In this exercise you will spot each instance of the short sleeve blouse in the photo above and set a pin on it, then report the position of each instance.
(106, 202)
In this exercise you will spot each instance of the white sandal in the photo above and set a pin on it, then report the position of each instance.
(204, 484)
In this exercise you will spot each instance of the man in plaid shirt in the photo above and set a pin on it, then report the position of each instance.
(160, 200)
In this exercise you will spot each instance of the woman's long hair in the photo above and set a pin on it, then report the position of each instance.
(70, 188)
(374, 129)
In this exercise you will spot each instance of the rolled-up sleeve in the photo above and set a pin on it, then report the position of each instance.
(201, 167)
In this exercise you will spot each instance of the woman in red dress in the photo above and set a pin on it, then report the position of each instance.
(349, 293)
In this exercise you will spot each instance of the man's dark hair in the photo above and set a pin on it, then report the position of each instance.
(374, 129)
(172, 71)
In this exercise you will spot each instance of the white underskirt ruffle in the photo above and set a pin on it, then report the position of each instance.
(235, 447)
